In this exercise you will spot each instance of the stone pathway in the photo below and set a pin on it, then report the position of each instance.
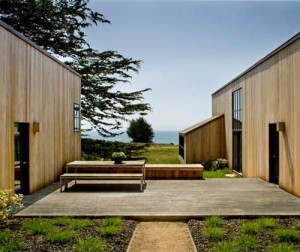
(161, 237)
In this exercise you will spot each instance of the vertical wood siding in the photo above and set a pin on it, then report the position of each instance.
(270, 94)
(34, 87)
(205, 141)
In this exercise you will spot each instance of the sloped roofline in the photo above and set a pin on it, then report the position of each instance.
(22, 37)
(290, 41)
(200, 124)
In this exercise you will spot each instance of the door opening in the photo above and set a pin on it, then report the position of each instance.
(22, 158)
(237, 151)
(273, 154)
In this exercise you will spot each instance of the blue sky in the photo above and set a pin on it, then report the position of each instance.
(190, 48)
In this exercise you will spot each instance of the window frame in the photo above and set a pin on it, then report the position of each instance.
(76, 117)
(237, 110)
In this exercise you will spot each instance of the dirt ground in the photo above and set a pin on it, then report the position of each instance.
(161, 237)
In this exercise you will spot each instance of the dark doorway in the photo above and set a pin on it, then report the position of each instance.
(237, 151)
(273, 154)
(22, 158)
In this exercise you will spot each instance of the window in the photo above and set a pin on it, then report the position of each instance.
(237, 114)
(181, 146)
(76, 117)
(237, 119)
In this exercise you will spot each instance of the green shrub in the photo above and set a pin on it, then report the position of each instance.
(219, 164)
(94, 149)
(247, 243)
(112, 221)
(91, 245)
(10, 242)
(37, 226)
(60, 237)
(283, 247)
(296, 224)
(214, 221)
(208, 164)
(9, 204)
(214, 233)
(287, 235)
(61, 221)
(251, 228)
(79, 223)
(267, 222)
(226, 246)
(109, 230)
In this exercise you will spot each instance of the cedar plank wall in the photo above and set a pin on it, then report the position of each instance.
(271, 93)
(205, 142)
(34, 87)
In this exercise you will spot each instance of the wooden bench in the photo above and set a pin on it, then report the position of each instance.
(174, 171)
(100, 176)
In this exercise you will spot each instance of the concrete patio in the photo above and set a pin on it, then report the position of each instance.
(165, 199)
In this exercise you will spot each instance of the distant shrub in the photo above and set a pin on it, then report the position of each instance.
(9, 204)
(95, 149)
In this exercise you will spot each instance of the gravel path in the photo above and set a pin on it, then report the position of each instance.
(161, 237)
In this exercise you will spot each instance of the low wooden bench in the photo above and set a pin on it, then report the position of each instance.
(100, 176)
(174, 171)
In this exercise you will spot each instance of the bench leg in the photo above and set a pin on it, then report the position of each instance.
(142, 184)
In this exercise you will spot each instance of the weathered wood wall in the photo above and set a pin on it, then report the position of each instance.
(271, 91)
(204, 140)
(36, 87)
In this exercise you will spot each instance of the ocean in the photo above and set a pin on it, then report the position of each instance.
(160, 136)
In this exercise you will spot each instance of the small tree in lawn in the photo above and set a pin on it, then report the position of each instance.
(140, 131)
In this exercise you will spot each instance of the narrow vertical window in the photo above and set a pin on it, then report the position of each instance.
(237, 110)
(76, 117)
(237, 120)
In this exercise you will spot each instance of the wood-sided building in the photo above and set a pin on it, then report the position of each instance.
(39, 114)
(203, 141)
(261, 109)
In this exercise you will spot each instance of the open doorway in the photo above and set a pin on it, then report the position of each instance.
(273, 154)
(21, 163)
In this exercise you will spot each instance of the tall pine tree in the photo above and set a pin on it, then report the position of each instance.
(58, 27)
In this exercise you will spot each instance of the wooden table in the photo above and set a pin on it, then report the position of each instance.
(108, 167)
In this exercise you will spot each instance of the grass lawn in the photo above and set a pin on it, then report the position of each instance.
(216, 174)
(162, 154)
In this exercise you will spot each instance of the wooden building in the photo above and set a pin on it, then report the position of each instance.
(202, 141)
(261, 109)
(39, 114)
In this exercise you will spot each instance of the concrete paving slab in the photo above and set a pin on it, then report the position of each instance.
(165, 199)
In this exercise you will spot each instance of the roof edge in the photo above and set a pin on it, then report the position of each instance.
(279, 48)
(200, 124)
(28, 41)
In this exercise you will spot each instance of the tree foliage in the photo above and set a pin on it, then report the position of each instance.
(140, 131)
(58, 27)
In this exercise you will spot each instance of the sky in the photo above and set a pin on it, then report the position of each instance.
(190, 48)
